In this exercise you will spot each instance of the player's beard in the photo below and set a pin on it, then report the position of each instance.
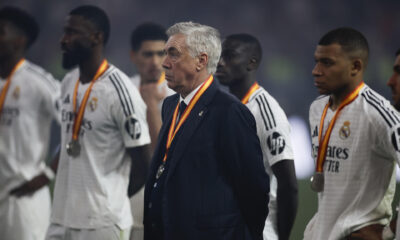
(71, 59)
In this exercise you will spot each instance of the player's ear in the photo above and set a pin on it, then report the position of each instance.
(252, 65)
(202, 61)
(357, 67)
(98, 38)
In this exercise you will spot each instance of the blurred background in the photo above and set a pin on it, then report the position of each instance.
(288, 31)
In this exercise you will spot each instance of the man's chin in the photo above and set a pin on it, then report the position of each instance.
(69, 62)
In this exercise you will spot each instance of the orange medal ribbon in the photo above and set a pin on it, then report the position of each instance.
(4, 91)
(323, 141)
(161, 79)
(252, 89)
(173, 129)
(79, 115)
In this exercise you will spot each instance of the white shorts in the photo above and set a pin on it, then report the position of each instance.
(25, 218)
(137, 206)
(59, 232)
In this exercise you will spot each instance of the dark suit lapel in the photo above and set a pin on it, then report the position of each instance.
(162, 136)
(190, 126)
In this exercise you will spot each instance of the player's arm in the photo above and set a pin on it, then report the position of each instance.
(140, 157)
(152, 97)
(39, 181)
(287, 199)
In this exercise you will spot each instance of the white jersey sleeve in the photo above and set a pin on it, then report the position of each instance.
(129, 112)
(50, 91)
(386, 123)
(273, 128)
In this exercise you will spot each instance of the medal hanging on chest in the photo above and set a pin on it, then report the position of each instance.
(74, 147)
(318, 179)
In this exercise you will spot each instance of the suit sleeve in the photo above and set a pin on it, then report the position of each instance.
(244, 160)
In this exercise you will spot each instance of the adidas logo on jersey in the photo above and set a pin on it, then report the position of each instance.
(315, 132)
(66, 99)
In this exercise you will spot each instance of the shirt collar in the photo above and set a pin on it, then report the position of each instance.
(189, 96)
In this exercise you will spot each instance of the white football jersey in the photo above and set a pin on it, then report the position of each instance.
(273, 130)
(29, 107)
(91, 189)
(359, 167)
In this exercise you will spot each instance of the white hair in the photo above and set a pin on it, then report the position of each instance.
(200, 39)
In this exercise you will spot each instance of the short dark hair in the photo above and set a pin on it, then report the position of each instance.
(95, 15)
(23, 21)
(147, 32)
(349, 39)
(253, 45)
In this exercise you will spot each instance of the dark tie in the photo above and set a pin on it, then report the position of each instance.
(182, 107)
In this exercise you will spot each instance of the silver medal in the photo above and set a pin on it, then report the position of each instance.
(160, 170)
(318, 182)
(73, 148)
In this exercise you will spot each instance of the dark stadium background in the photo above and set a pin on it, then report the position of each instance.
(288, 30)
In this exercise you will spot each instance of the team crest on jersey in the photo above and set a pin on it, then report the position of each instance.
(133, 128)
(93, 104)
(344, 131)
(16, 92)
(276, 143)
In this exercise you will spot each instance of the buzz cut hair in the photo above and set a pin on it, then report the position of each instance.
(351, 41)
(252, 44)
(95, 15)
(147, 31)
(22, 21)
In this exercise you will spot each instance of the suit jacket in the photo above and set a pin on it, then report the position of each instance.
(216, 186)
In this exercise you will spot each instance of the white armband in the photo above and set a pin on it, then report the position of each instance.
(49, 173)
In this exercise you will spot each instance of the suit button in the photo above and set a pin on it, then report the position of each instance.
(150, 205)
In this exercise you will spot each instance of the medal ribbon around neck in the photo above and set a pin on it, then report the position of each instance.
(4, 91)
(161, 79)
(79, 115)
(172, 129)
(323, 141)
(252, 89)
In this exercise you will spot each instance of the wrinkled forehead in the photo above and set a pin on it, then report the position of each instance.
(176, 42)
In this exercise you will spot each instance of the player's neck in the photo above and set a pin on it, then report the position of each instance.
(338, 97)
(241, 88)
(88, 68)
(199, 79)
(8, 65)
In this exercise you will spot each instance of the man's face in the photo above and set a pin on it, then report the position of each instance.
(76, 42)
(394, 83)
(179, 66)
(332, 70)
(9, 40)
(148, 59)
(232, 66)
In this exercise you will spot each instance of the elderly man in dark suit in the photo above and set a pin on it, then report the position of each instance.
(207, 179)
